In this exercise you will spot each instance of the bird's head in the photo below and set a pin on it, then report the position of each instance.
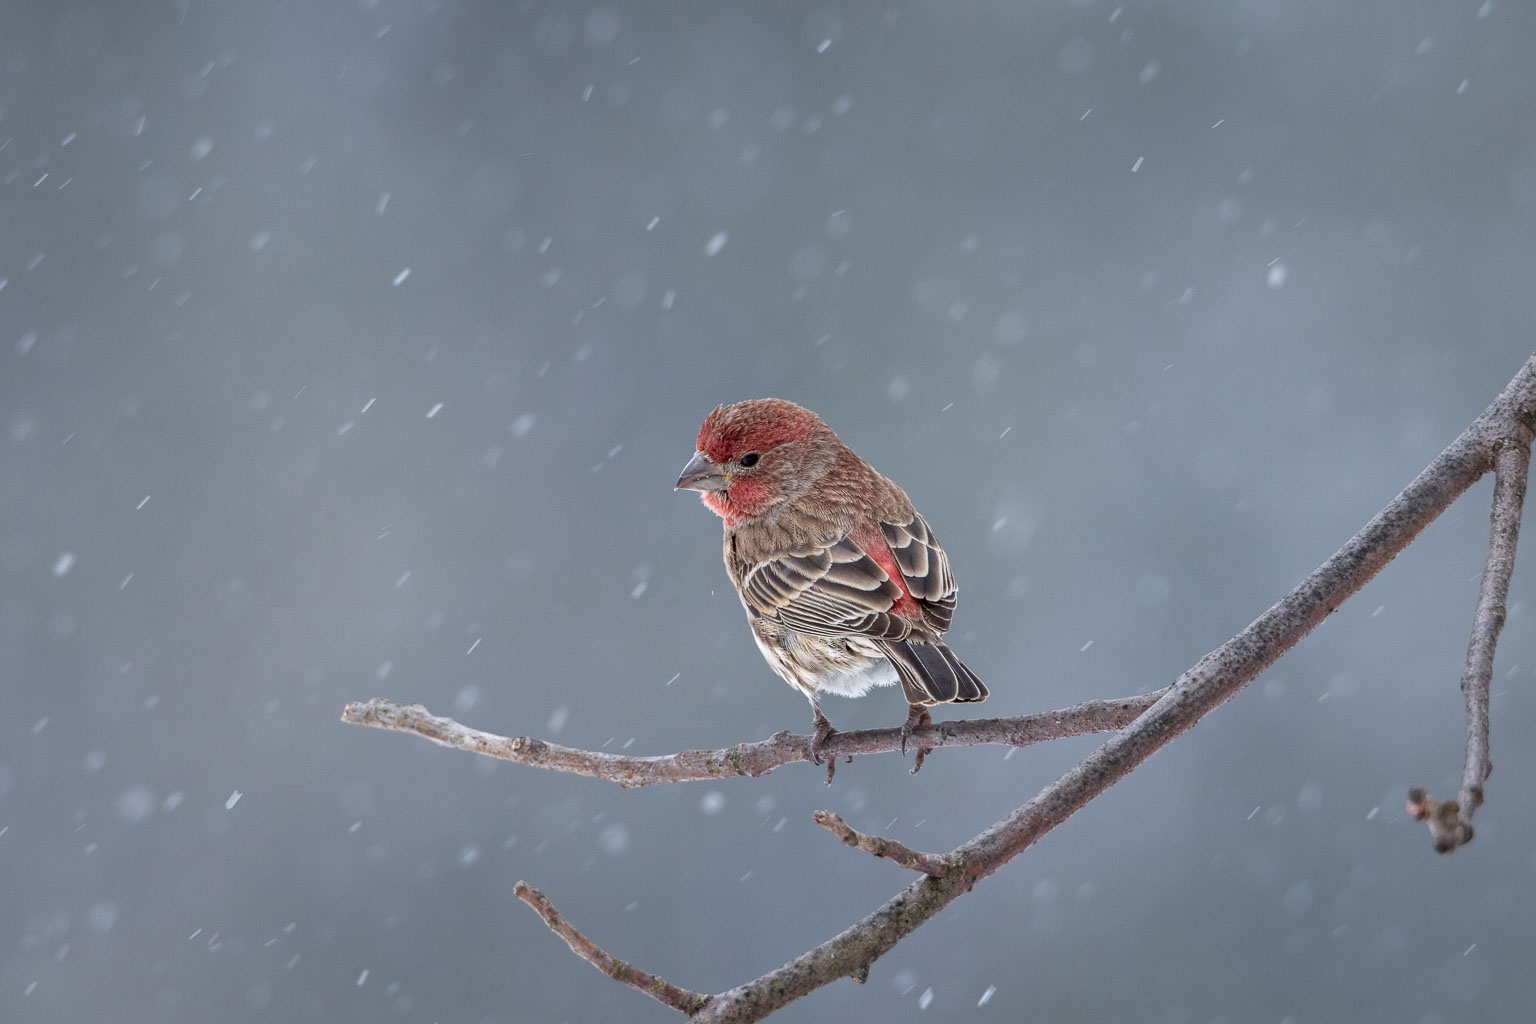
(756, 455)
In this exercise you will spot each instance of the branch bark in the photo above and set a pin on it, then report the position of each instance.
(1505, 428)
(748, 759)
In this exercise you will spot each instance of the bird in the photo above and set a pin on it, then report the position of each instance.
(844, 585)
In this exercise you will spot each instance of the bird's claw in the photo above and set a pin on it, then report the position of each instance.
(917, 718)
(819, 735)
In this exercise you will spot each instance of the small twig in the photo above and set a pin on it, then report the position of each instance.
(878, 846)
(1450, 821)
(659, 989)
(745, 759)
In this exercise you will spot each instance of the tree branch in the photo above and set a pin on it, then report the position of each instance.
(659, 989)
(1509, 422)
(878, 846)
(748, 759)
(1212, 680)
(1450, 821)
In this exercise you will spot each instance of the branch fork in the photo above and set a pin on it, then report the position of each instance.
(1450, 821)
(878, 846)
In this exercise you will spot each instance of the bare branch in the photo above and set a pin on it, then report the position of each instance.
(659, 989)
(878, 846)
(1509, 422)
(1450, 821)
(744, 759)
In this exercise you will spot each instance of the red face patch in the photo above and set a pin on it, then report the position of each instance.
(750, 496)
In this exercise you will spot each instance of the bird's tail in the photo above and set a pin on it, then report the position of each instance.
(930, 672)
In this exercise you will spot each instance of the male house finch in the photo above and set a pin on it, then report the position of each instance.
(844, 585)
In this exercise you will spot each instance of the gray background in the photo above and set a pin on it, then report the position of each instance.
(1148, 306)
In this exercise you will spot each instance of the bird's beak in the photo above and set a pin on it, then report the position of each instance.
(702, 475)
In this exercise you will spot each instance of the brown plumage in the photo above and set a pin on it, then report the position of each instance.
(844, 584)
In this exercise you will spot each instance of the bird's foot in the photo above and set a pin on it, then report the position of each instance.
(917, 718)
(822, 732)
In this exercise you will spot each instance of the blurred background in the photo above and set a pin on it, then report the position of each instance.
(352, 350)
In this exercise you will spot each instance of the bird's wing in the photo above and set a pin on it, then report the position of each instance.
(924, 568)
(835, 589)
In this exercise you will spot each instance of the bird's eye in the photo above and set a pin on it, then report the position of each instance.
(750, 459)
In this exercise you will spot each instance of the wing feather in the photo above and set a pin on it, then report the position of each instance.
(834, 590)
(924, 568)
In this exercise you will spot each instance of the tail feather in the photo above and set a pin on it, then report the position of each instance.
(931, 673)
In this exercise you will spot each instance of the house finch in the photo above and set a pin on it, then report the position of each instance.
(844, 585)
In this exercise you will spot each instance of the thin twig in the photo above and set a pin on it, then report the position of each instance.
(659, 989)
(1450, 821)
(878, 846)
(744, 759)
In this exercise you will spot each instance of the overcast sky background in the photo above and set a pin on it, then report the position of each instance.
(352, 350)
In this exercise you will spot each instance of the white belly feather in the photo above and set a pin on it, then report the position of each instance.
(846, 666)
